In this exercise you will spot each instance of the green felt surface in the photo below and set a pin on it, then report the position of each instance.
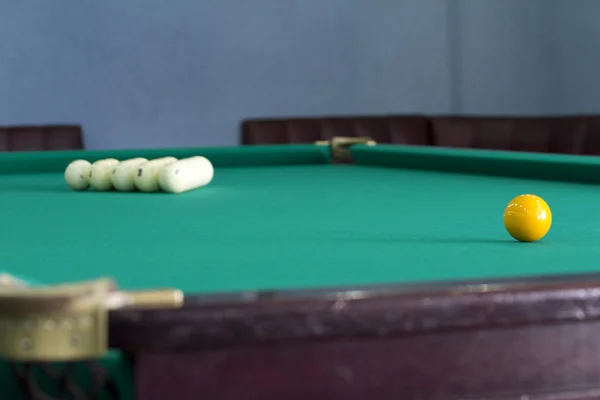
(309, 224)
(281, 217)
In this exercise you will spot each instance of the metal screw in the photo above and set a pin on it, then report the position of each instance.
(26, 344)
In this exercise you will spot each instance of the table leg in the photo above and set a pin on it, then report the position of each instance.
(82, 380)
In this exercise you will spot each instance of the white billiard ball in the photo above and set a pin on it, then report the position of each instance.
(77, 173)
(100, 174)
(185, 175)
(124, 173)
(146, 176)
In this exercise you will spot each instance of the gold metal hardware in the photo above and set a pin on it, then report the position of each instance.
(340, 146)
(11, 281)
(67, 322)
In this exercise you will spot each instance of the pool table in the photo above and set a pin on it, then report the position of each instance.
(342, 270)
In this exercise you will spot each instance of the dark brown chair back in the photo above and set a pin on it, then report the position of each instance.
(561, 134)
(385, 129)
(41, 138)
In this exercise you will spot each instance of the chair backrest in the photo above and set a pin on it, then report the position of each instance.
(560, 134)
(384, 129)
(41, 138)
(532, 134)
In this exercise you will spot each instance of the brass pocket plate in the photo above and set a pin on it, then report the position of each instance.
(67, 322)
(340, 146)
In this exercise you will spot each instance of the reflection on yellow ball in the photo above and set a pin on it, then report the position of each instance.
(527, 218)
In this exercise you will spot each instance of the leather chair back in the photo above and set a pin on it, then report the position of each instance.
(41, 138)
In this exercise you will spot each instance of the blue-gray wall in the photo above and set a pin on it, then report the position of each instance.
(146, 73)
(577, 33)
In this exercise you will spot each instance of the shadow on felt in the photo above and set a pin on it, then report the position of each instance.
(15, 187)
(36, 187)
(422, 239)
(429, 241)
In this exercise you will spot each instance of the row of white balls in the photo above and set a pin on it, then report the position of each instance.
(166, 173)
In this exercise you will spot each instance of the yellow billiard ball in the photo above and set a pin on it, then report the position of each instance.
(527, 218)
